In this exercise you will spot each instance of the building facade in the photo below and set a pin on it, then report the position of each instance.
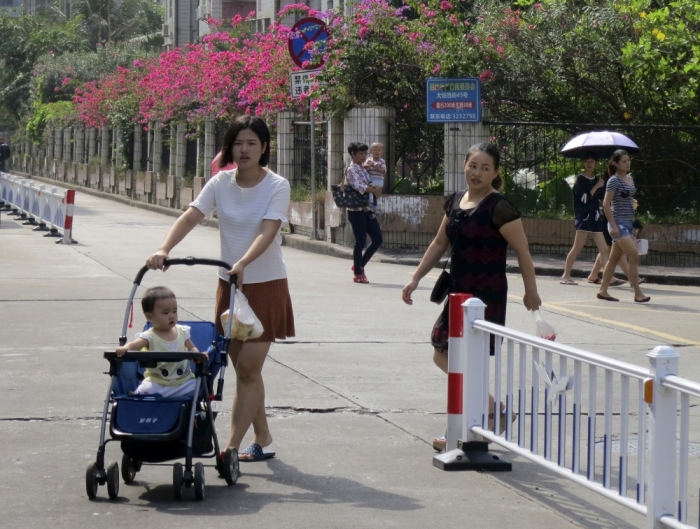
(186, 20)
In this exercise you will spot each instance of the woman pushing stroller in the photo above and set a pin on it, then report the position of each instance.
(251, 203)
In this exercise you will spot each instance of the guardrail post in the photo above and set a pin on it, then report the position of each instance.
(455, 371)
(472, 452)
(475, 356)
(661, 493)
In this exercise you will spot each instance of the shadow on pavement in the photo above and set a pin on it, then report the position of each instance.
(321, 490)
(542, 486)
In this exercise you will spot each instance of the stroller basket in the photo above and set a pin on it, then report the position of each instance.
(149, 420)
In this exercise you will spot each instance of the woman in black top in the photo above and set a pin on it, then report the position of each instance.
(480, 223)
(588, 194)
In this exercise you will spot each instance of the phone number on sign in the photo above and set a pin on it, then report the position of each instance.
(448, 115)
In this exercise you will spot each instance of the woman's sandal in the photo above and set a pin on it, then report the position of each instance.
(362, 278)
(440, 443)
(617, 282)
(606, 298)
(643, 300)
(513, 417)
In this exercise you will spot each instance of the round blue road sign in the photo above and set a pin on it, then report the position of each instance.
(309, 29)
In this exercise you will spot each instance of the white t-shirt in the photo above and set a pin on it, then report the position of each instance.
(240, 212)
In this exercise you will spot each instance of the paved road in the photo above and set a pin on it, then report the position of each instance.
(354, 399)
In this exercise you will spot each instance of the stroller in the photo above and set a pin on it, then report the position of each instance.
(154, 429)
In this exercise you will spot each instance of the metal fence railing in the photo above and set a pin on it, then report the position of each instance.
(301, 166)
(666, 171)
(570, 405)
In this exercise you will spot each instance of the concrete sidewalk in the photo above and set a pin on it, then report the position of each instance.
(545, 265)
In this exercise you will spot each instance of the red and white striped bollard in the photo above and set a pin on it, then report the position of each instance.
(69, 201)
(455, 370)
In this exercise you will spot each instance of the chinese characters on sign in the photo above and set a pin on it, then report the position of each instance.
(301, 82)
(454, 100)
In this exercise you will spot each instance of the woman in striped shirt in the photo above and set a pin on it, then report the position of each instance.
(618, 205)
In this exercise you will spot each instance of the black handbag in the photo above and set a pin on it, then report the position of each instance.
(347, 196)
(442, 287)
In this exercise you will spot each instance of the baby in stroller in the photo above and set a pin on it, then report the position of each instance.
(167, 379)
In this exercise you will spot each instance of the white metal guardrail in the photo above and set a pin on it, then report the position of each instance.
(47, 210)
(565, 405)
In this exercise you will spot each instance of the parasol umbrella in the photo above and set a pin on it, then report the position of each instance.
(601, 143)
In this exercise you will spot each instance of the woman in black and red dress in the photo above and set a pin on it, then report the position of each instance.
(480, 223)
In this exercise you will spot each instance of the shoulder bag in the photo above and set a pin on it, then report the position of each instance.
(442, 285)
(346, 196)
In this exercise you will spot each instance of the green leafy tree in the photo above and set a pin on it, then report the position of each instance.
(107, 21)
(55, 78)
(663, 60)
(23, 40)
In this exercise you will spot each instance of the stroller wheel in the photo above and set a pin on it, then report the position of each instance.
(199, 481)
(177, 481)
(128, 469)
(91, 483)
(230, 466)
(113, 480)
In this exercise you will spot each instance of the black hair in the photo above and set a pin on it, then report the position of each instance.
(612, 168)
(356, 147)
(153, 295)
(589, 154)
(253, 123)
(492, 151)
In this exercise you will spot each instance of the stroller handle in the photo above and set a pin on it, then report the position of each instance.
(189, 261)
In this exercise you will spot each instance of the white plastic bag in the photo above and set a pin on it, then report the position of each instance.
(642, 246)
(245, 323)
(544, 329)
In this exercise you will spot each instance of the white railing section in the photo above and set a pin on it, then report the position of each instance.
(48, 210)
(564, 403)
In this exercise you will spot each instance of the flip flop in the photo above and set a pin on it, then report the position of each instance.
(617, 282)
(257, 452)
(606, 298)
(569, 282)
(362, 278)
(440, 444)
(596, 282)
(643, 300)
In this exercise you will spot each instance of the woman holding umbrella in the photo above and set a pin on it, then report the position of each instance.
(588, 192)
(618, 205)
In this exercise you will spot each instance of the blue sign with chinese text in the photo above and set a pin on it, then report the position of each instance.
(454, 100)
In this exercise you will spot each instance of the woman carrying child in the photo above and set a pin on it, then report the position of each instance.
(479, 224)
(364, 222)
(588, 193)
(251, 204)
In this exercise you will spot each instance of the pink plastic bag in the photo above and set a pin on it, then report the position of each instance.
(544, 329)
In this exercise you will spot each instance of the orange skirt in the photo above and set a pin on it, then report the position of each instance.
(271, 303)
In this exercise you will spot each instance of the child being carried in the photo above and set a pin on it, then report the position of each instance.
(376, 167)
